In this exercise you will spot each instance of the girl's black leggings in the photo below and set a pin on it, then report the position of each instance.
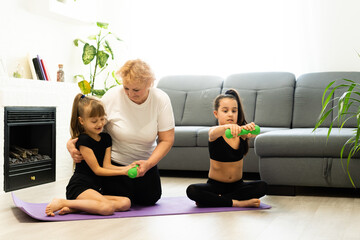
(219, 194)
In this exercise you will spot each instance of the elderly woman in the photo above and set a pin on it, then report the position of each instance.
(141, 124)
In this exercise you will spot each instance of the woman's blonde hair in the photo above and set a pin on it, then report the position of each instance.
(136, 71)
(84, 106)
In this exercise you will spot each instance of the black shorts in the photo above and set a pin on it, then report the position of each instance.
(79, 183)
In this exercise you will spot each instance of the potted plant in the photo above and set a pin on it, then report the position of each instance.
(350, 98)
(96, 55)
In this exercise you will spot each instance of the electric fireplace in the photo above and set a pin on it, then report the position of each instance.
(29, 146)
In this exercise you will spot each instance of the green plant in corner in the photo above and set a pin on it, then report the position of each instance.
(96, 56)
(343, 103)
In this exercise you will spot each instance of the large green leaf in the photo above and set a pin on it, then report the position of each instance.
(102, 25)
(102, 58)
(89, 53)
(84, 87)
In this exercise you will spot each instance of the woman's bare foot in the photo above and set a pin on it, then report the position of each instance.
(55, 205)
(247, 203)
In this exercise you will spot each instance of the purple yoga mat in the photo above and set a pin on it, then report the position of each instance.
(165, 206)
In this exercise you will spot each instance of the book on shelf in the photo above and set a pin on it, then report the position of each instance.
(41, 68)
(38, 68)
(46, 71)
(32, 68)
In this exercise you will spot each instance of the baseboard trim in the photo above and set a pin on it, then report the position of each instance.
(281, 190)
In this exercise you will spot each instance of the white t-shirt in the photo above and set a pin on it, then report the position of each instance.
(134, 127)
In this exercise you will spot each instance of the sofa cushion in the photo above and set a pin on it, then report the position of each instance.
(186, 136)
(191, 97)
(308, 94)
(177, 99)
(267, 97)
(308, 171)
(199, 108)
(191, 136)
(302, 142)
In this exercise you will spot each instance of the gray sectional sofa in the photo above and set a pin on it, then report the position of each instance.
(287, 152)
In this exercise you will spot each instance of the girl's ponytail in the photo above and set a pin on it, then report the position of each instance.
(241, 115)
(75, 126)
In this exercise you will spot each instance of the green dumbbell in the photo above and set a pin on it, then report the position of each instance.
(243, 132)
(132, 173)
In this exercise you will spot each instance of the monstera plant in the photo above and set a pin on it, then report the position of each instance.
(350, 98)
(96, 53)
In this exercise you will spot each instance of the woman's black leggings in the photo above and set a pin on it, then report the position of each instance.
(144, 190)
(219, 194)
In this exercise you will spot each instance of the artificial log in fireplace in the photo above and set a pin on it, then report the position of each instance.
(29, 146)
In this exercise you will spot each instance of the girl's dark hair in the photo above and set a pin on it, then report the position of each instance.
(233, 94)
(81, 102)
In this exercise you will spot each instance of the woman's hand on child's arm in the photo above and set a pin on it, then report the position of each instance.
(74, 152)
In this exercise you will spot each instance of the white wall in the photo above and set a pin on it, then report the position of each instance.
(193, 37)
(230, 36)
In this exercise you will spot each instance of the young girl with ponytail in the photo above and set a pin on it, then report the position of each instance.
(225, 186)
(83, 193)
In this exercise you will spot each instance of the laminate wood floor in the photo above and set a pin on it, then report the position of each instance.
(291, 217)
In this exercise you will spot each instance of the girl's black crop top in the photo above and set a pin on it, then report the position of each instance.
(221, 151)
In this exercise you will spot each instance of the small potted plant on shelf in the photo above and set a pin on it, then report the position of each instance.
(96, 55)
(350, 98)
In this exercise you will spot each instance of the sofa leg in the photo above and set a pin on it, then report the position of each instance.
(281, 190)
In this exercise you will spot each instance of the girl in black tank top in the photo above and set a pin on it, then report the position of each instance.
(229, 112)
(83, 192)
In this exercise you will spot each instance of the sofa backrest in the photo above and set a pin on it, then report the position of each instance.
(308, 94)
(192, 98)
(267, 97)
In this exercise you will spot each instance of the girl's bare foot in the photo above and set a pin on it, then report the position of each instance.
(247, 203)
(55, 205)
(66, 210)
